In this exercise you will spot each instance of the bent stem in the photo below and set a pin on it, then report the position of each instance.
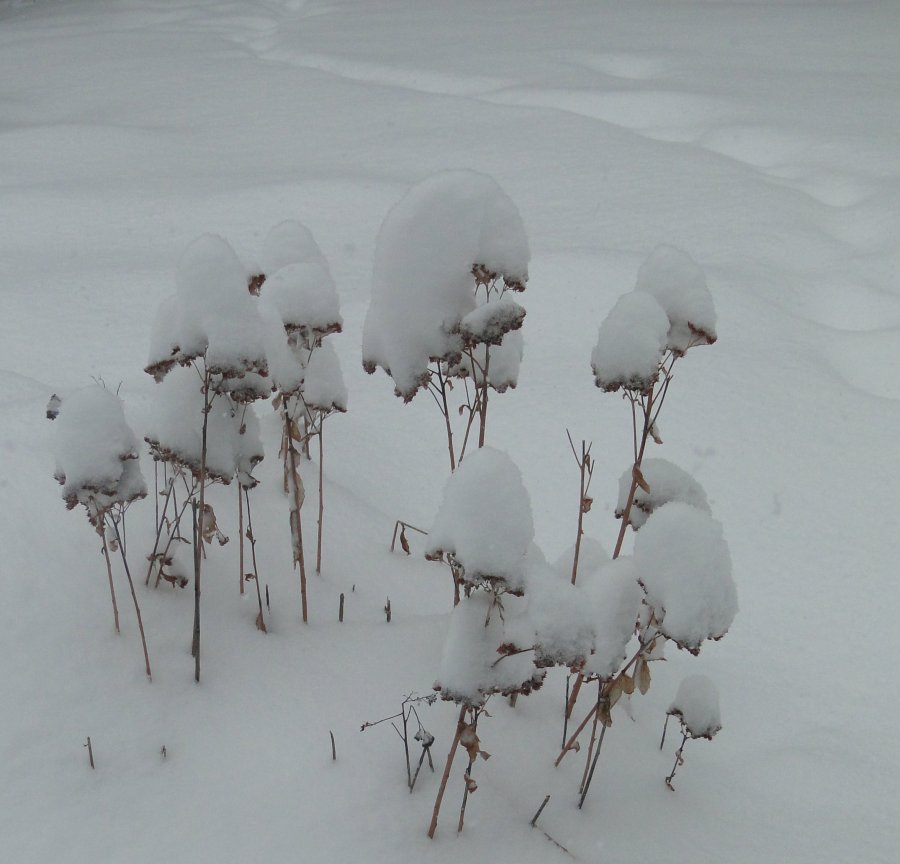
(679, 760)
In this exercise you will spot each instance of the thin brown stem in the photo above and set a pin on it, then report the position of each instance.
(112, 590)
(137, 608)
(296, 504)
(321, 497)
(241, 538)
(260, 620)
(460, 725)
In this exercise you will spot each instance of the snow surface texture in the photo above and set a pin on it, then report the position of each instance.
(484, 522)
(422, 284)
(761, 137)
(696, 704)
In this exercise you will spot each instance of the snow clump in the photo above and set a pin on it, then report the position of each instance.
(630, 344)
(678, 283)
(475, 662)
(667, 482)
(484, 524)
(446, 229)
(684, 567)
(696, 704)
(96, 451)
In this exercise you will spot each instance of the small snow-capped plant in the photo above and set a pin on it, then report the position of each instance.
(680, 562)
(484, 530)
(211, 333)
(448, 260)
(696, 705)
(97, 466)
(300, 308)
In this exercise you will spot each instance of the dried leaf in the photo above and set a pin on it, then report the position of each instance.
(639, 479)
(604, 713)
(615, 692)
(654, 434)
(404, 543)
(586, 504)
(471, 785)
(627, 684)
(484, 755)
(643, 676)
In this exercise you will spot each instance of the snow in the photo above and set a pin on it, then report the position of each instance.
(667, 482)
(630, 344)
(614, 598)
(175, 428)
(484, 521)
(677, 282)
(323, 382)
(759, 137)
(422, 284)
(305, 297)
(684, 566)
(96, 450)
(491, 321)
(473, 665)
(289, 242)
(212, 291)
(697, 705)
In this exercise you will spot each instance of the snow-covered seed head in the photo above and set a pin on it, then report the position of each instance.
(696, 704)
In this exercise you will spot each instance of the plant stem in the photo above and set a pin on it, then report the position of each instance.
(321, 497)
(460, 725)
(241, 537)
(260, 621)
(296, 504)
(112, 590)
(137, 608)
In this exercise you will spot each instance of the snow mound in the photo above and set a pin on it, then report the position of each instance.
(667, 482)
(484, 524)
(630, 344)
(679, 285)
(591, 556)
(445, 227)
(684, 567)
(696, 704)
(473, 665)
(96, 451)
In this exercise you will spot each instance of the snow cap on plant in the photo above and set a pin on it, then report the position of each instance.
(678, 283)
(663, 482)
(211, 315)
(447, 230)
(630, 344)
(684, 567)
(307, 301)
(696, 704)
(96, 452)
(484, 524)
(174, 431)
(613, 599)
(475, 661)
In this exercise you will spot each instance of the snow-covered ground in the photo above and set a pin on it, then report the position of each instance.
(762, 137)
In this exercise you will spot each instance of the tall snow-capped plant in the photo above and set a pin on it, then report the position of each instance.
(300, 308)
(97, 466)
(680, 560)
(211, 329)
(484, 528)
(449, 257)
